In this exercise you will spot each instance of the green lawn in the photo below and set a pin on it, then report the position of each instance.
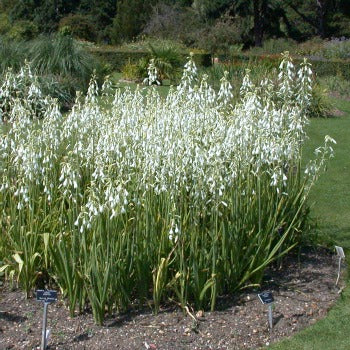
(331, 208)
(117, 78)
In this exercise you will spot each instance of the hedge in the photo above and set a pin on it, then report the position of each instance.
(118, 59)
(321, 67)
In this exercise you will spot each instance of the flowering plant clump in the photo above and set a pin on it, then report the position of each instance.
(184, 197)
(25, 87)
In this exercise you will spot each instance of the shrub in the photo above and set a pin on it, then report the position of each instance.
(218, 38)
(61, 64)
(320, 106)
(135, 71)
(275, 46)
(5, 24)
(79, 26)
(310, 47)
(336, 84)
(23, 30)
(173, 22)
(331, 67)
(337, 48)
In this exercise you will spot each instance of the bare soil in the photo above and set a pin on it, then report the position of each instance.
(303, 288)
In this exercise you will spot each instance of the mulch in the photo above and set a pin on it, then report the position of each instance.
(303, 288)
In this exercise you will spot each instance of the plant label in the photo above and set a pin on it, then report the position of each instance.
(47, 296)
(340, 252)
(341, 255)
(266, 297)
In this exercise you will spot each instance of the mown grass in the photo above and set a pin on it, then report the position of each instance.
(331, 208)
(117, 79)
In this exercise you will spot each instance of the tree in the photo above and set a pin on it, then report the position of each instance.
(45, 14)
(130, 19)
(322, 16)
(102, 11)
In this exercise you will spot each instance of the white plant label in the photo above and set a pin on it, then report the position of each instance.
(341, 255)
(340, 252)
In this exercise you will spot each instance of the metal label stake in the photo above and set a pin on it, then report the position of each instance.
(46, 296)
(266, 298)
(341, 255)
(43, 332)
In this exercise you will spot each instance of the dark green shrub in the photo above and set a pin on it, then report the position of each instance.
(5, 24)
(219, 37)
(79, 26)
(23, 30)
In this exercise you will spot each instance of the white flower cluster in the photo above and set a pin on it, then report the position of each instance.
(22, 87)
(193, 143)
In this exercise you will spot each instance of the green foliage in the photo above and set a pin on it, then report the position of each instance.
(60, 65)
(320, 106)
(144, 43)
(79, 26)
(331, 67)
(117, 59)
(258, 70)
(321, 67)
(275, 46)
(339, 49)
(218, 38)
(129, 20)
(135, 71)
(336, 84)
(62, 56)
(186, 20)
(12, 54)
(171, 21)
(23, 30)
(167, 60)
(5, 24)
(46, 14)
(309, 47)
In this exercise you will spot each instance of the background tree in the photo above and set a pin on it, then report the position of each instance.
(131, 17)
(185, 20)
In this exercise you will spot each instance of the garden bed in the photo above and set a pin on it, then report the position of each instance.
(304, 290)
